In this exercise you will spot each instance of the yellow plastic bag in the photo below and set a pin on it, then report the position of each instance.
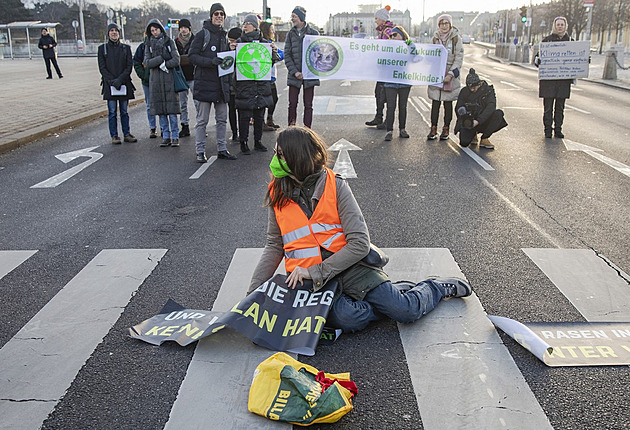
(285, 389)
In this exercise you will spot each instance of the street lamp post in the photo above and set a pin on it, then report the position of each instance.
(82, 23)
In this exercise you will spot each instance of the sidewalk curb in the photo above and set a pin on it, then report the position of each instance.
(29, 136)
(613, 84)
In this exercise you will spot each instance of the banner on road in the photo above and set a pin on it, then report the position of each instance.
(273, 316)
(563, 60)
(562, 344)
(373, 60)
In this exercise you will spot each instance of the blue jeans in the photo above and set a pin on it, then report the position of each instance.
(399, 302)
(169, 126)
(124, 117)
(150, 117)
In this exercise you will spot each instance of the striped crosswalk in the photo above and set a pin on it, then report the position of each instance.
(455, 342)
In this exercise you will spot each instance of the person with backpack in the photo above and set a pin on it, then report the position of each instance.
(447, 36)
(115, 64)
(210, 89)
(183, 43)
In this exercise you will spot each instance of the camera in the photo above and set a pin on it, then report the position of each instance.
(466, 117)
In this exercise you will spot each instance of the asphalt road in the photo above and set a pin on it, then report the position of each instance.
(414, 194)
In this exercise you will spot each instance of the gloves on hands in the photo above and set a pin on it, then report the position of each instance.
(537, 61)
(117, 83)
(216, 61)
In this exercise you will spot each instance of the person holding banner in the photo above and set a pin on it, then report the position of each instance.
(554, 92)
(384, 28)
(395, 91)
(269, 33)
(252, 96)
(210, 88)
(448, 36)
(317, 227)
(293, 61)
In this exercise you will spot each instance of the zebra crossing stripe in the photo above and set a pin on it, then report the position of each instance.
(9, 260)
(463, 376)
(223, 365)
(595, 286)
(40, 362)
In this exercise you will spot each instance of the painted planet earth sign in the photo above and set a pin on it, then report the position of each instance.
(324, 57)
(253, 61)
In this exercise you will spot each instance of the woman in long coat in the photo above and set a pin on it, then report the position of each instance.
(449, 37)
(162, 58)
(554, 92)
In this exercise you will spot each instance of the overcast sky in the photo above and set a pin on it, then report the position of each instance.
(319, 13)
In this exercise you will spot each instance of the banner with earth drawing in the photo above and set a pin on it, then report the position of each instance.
(253, 61)
(373, 60)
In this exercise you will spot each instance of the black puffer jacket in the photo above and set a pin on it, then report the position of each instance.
(555, 88)
(46, 41)
(293, 56)
(208, 86)
(252, 94)
(115, 63)
(481, 103)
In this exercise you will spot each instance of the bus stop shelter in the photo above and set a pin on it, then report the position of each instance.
(28, 26)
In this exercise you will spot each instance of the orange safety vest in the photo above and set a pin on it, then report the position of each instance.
(302, 237)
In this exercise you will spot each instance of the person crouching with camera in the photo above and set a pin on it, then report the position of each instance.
(477, 112)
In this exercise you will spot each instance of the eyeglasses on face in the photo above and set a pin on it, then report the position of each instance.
(444, 23)
(218, 14)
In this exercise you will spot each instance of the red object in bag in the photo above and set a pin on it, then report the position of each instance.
(327, 382)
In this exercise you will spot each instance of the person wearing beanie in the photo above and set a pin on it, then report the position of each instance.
(477, 112)
(554, 92)
(293, 61)
(47, 44)
(115, 64)
(396, 91)
(252, 97)
(384, 29)
(143, 73)
(210, 89)
(447, 36)
(183, 43)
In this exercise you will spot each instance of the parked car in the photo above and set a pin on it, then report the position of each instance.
(465, 38)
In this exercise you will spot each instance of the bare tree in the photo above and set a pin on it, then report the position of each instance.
(575, 13)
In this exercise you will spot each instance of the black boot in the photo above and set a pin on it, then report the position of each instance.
(245, 149)
(258, 146)
(185, 131)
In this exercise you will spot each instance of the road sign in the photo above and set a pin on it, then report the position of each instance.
(589, 3)
(75, 24)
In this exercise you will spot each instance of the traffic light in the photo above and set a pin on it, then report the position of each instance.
(268, 15)
(172, 22)
(523, 13)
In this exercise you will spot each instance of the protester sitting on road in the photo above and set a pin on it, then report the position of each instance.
(477, 112)
(316, 225)
(47, 44)
(293, 60)
(143, 73)
(183, 43)
(115, 64)
(252, 96)
(384, 28)
(269, 32)
(395, 91)
(448, 36)
(210, 88)
(554, 91)
(233, 35)
(162, 58)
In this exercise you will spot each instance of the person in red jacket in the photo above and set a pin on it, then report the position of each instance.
(316, 226)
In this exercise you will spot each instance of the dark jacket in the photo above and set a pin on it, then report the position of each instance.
(138, 60)
(481, 104)
(47, 40)
(555, 88)
(184, 61)
(164, 99)
(115, 64)
(293, 56)
(251, 94)
(208, 86)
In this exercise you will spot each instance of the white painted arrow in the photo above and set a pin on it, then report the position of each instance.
(595, 153)
(66, 158)
(343, 165)
(345, 83)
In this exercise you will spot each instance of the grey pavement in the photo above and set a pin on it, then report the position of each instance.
(35, 107)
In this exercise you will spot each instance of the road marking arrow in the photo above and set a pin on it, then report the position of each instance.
(66, 158)
(343, 165)
(595, 153)
(345, 83)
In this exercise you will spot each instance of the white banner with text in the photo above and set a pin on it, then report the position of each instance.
(563, 60)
